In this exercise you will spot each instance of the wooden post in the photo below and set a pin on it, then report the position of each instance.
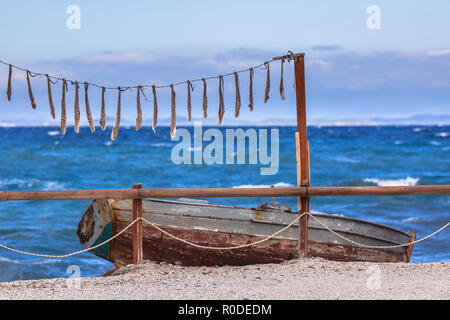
(138, 251)
(302, 150)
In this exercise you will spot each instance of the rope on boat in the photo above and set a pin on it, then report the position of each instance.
(73, 253)
(290, 225)
(378, 247)
(155, 226)
(225, 248)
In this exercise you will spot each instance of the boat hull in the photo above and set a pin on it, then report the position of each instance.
(222, 226)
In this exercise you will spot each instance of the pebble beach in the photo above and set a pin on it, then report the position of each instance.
(312, 278)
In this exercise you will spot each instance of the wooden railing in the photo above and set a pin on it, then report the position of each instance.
(223, 192)
(137, 194)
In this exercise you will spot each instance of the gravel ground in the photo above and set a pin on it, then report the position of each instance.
(311, 278)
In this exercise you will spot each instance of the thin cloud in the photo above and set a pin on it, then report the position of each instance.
(439, 52)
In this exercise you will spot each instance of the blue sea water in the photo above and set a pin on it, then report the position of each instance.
(40, 158)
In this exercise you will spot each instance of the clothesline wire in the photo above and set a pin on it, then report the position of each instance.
(34, 74)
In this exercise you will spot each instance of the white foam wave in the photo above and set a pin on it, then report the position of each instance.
(28, 262)
(333, 214)
(53, 185)
(435, 143)
(409, 181)
(411, 219)
(53, 133)
(346, 159)
(46, 261)
(7, 125)
(4, 259)
(20, 183)
(276, 185)
(161, 144)
(417, 129)
(108, 143)
(442, 134)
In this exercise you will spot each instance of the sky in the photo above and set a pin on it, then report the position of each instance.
(399, 70)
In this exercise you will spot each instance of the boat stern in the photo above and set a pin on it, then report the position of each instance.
(96, 227)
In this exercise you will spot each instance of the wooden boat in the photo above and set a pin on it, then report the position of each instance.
(207, 224)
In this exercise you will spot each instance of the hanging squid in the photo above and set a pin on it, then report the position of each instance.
(281, 82)
(266, 93)
(221, 103)
(250, 95)
(102, 111)
(63, 108)
(189, 105)
(88, 108)
(238, 96)
(155, 109)
(76, 109)
(173, 128)
(138, 107)
(50, 99)
(115, 129)
(30, 92)
(205, 100)
(8, 92)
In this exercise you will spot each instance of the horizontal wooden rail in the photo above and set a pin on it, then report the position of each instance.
(380, 191)
(223, 192)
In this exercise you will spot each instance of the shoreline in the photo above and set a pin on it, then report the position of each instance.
(311, 278)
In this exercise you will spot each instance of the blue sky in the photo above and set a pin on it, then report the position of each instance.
(399, 70)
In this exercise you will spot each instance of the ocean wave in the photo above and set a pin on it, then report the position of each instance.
(417, 129)
(4, 259)
(409, 181)
(442, 134)
(53, 133)
(39, 262)
(411, 219)
(276, 185)
(108, 143)
(435, 143)
(20, 183)
(7, 125)
(331, 214)
(161, 144)
(53, 185)
(346, 159)
(29, 262)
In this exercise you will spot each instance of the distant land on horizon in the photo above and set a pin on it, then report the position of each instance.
(419, 119)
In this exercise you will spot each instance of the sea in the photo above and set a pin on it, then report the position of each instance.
(40, 158)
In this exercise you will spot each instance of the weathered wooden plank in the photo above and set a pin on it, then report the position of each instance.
(303, 203)
(138, 252)
(409, 249)
(223, 192)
